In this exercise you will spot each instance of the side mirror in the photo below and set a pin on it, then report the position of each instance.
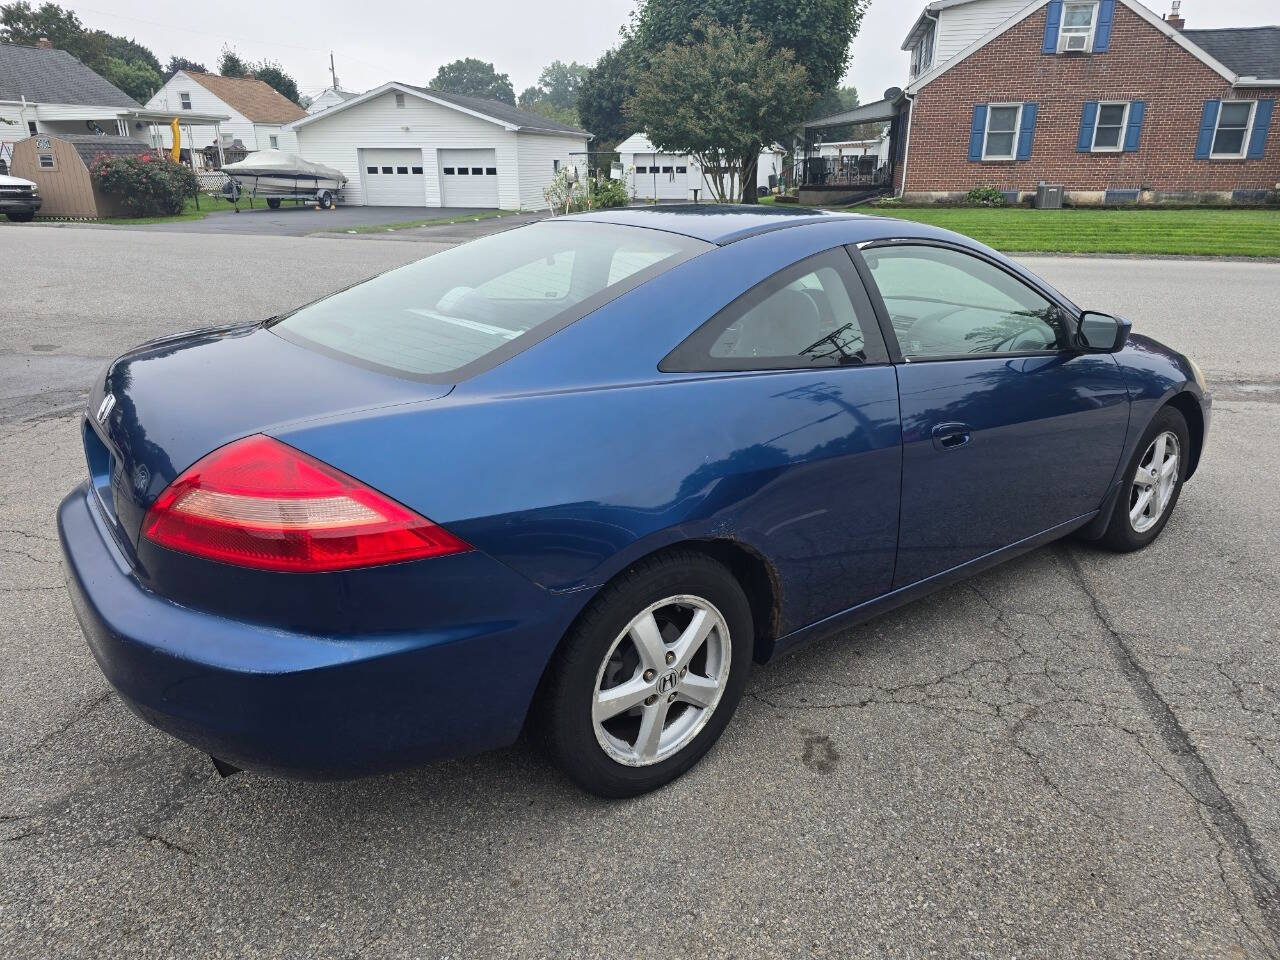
(1102, 333)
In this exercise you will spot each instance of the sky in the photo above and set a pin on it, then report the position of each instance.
(408, 40)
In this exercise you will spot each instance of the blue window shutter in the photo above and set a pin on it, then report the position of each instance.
(1102, 35)
(1088, 120)
(1133, 132)
(977, 131)
(1027, 133)
(1051, 24)
(1261, 127)
(1208, 125)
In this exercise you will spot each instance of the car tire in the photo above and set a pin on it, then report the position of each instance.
(701, 683)
(1131, 528)
(273, 203)
(22, 216)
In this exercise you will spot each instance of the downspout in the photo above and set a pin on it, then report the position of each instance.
(906, 148)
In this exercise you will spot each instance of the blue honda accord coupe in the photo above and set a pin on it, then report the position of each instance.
(582, 475)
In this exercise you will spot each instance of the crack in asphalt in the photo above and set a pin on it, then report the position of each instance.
(1232, 830)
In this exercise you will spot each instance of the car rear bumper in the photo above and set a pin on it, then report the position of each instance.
(302, 705)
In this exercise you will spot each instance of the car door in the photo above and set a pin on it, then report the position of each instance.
(1007, 432)
(805, 387)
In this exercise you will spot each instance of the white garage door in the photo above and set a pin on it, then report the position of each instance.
(469, 178)
(661, 177)
(392, 178)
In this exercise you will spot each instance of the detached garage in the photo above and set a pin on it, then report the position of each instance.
(408, 146)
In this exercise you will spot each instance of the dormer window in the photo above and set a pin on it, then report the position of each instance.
(1079, 21)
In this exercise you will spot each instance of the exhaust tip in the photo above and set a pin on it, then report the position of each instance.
(224, 769)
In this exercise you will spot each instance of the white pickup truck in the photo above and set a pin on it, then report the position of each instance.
(19, 199)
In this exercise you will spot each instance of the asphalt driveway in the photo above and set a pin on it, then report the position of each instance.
(1076, 754)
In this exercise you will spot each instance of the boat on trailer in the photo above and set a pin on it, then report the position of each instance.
(276, 176)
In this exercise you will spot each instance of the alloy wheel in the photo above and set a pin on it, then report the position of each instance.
(1154, 482)
(661, 680)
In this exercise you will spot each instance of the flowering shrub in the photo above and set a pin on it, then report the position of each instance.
(566, 194)
(609, 193)
(146, 184)
(984, 197)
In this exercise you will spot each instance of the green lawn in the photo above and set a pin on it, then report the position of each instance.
(208, 205)
(430, 222)
(1239, 233)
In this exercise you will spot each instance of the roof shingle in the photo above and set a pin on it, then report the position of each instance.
(499, 111)
(254, 99)
(55, 76)
(1247, 51)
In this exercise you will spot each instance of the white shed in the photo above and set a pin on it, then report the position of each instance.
(667, 176)
(402, 145)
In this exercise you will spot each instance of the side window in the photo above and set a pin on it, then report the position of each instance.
(943, 303)
(813, 314)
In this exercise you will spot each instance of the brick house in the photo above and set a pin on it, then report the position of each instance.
(1103, 96)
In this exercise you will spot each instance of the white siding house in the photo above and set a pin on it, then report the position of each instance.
(328, 97)
(666, 176)
(948, 26)
(258, 113)
(401, 145)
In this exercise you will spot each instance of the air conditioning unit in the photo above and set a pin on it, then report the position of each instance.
(1049, 196)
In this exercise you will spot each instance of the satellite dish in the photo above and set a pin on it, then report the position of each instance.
(893, 93)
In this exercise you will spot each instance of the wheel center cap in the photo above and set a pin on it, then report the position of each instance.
(667, 682)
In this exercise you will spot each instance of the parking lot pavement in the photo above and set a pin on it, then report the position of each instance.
(1075, 754)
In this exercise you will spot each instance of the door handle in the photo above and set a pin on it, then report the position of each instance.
(949, 436)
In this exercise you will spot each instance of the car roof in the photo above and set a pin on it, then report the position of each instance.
(720, 223)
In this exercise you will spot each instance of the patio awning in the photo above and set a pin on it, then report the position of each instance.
(185, 117)
(881, 110)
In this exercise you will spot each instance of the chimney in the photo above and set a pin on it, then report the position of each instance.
(1174, 19)
(44, 43)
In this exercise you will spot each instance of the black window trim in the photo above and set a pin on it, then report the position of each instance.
(1069, 311)
(693, 354)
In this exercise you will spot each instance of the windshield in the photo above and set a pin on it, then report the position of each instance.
(480, 303)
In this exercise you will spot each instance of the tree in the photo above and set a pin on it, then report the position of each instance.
(721, 97)
(560, 83)
(835, 100)
(182, 63)
(22, 23)
(819, 32)
(474, 78)
(230, 64)
(272, 74)
(133, 77)
(130, 51)
(604, 91)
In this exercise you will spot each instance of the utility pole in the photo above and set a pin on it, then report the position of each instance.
(332, 73)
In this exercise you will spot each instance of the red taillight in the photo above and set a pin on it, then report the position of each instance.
(260, 503)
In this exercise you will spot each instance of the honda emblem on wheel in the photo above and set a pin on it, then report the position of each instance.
(667, 682)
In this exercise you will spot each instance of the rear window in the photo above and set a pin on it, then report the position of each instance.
(473, 306)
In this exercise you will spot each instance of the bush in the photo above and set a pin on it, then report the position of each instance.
(146, 184)
(984, 197)
(607, 193)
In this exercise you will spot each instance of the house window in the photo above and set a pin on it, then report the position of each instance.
(448, 171)
(399, 99)
(184, 100)
(404, 170)
(417, 169)
(386, 169)
(275, 141)
(47, 162)
(490, 171)
(666, 170)
(1108, 135)
(31, 127)
(555, 166)
(1232, 135)
(370, 169)
(464, 171)
(1079, 20)
(1001, 140)
(642, 169)
(682, 169)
